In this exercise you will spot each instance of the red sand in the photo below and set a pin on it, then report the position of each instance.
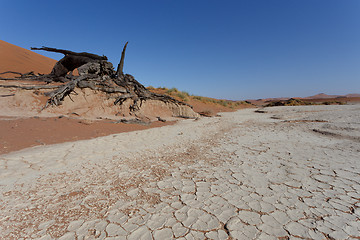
(17, 59)
(28, 132)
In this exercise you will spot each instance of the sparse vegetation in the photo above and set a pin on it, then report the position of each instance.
(333, 103)
(298, 102)
(171, 90)
(186, 97)
(222, 102)
(289, 102)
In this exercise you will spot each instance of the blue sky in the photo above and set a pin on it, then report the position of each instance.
(243, 49)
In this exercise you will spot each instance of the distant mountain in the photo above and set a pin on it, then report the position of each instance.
(353, 95)
(17, 59)
(321, 96)
(325, 96)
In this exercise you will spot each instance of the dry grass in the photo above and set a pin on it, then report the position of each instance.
(186, 97)
(222, 102)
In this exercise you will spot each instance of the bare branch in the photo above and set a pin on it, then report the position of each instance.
(67, 52)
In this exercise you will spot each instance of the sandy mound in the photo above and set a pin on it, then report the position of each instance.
(88, 104)
(89, 101)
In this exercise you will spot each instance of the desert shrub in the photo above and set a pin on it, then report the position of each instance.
(333, 103)
(186, 93)
(238, 103)
(289, 102)
(211, 100)
(203, 99)
(183, 96)
(172, 90)
(223, 103)
(198, 98)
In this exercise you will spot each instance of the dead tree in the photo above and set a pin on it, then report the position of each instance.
(69, 62)
(96, 73)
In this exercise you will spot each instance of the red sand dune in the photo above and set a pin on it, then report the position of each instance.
(17, 59)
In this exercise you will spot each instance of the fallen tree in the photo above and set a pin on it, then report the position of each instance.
(95, 73)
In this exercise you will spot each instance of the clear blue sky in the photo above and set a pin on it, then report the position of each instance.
(241, 49)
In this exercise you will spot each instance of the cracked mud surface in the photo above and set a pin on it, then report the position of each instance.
(289, 172)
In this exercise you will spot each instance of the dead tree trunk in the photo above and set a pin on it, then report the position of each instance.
(119, 71)
(69, 62)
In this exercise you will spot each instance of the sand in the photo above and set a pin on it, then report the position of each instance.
(17, 133)
(17, 59)
(286, 172)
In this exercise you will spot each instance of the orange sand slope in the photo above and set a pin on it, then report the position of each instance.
(17, 59)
